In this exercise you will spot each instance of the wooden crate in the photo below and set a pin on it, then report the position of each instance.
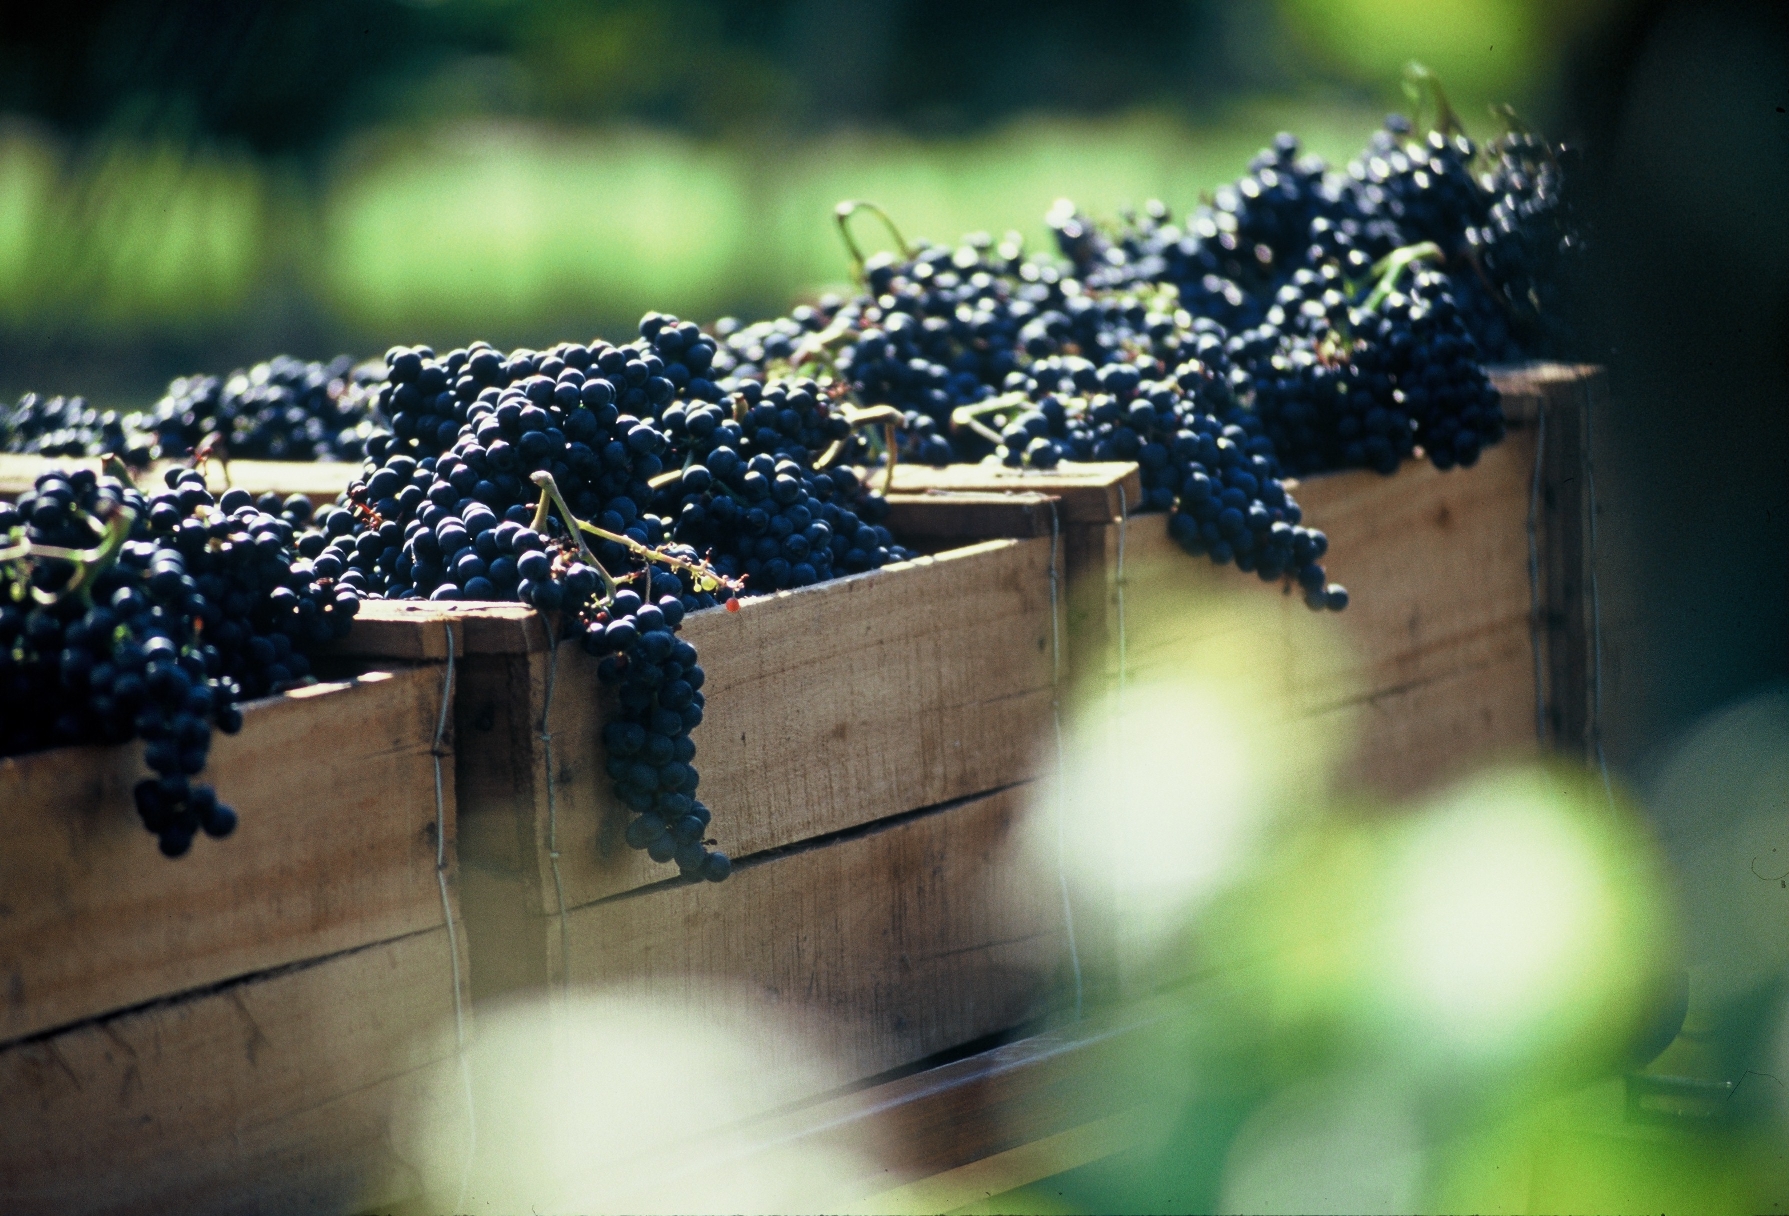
(290, 1091)
(228, 1029)
(320, 481)
(865, 749)
(1439, 650)
(948, 1136)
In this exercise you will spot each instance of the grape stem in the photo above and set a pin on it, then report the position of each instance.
(666, 478)
(1389, 269)
(212, 447)
(549, 494)
(705, 576)
(1418, 79)
(112, 466)
(971, 415)
(859, 417)
(88, 563)
(842, 216)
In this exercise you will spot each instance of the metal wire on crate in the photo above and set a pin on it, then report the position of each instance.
(1124, 517)
(1596, 614)
(438, 751)
(1068, 912)
(1534, 574)
(546, 740)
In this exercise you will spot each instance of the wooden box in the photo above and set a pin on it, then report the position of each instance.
(867, 750)
(238, 1027)
(320, 481)
(1452, 652)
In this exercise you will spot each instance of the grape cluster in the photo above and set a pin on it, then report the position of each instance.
(129, 616)
(1431, 357)
(750, 496)
(1220, 481)
(659, 696)
(1526, 246)
(1339, 385)
(934, 332)
(283, 409)
(1504, 241)
(621, 487)
(69, 426)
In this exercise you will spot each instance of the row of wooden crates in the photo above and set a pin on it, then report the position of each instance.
(430, 834)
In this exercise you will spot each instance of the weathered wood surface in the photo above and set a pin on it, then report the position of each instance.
(873, 951)
(926, 1126)
(828, 707)
(320, 481)
(941, 518)
(290, 1092)
(1565, 397)
(1092, 492)
(1436, 656)
(335, 785)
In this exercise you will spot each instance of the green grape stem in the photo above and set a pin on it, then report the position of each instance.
(1389, 269)
(88, 563)
(859, 417)
(549, 495)
(705, 576)
(1419, 80)
(842, 216)
(971, 415)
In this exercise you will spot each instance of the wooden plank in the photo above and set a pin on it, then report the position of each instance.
(335, 785)
(1423, 736)
(320, 481)
(416, 631)
(944, 1119)
(940, 1136)
(1015, 1167)
(1561, 430)
(1437, 564)
(19, 473)
(829, 707)
(941, 518)
(1527, 387)
(1090, 492)
(871, 952)
(289, 1092)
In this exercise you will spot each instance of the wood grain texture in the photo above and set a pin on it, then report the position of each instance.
(828, 707)
(284, 1093)
(1090, 492)
(945, 1118)
(418, 630)
(320, 481)
(1569, 629)
(335, 785)
(875, 951)
(1437, 568)
(941, 518)
(1437, 565)
(1420, 737)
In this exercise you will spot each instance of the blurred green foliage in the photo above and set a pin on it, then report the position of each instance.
(206, 182)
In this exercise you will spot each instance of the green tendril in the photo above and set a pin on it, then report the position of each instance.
(842, 217)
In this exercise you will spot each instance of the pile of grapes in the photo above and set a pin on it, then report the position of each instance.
(130, 616)
(615, 488)
(1307, 319)
(283, 409)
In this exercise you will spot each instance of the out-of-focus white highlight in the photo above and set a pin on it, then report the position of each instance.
(1500, 910)
(603, 1103)
(1178, 779)
(1166, 780)
(1720, 800)
(1348, 1144)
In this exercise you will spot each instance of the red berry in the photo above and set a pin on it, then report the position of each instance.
(733, 604)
